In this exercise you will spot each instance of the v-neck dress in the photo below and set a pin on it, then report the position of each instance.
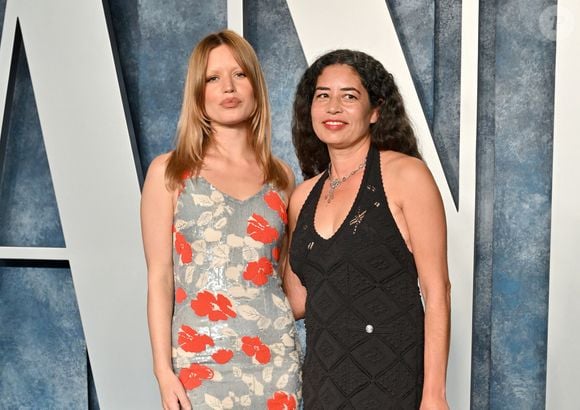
(364, 315)
(233, 333)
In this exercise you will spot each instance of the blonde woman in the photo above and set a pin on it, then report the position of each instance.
(214, 228)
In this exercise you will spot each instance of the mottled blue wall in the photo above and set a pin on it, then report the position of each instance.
(514, 162)
(514, 153)
(43, 356)
(42, 350)
(523, 168)
(273, 36)
(154, 42)
(28, 211)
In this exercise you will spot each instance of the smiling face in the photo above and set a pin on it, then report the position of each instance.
(229, 97)
(341, 111)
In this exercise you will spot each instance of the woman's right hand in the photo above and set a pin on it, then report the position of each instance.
(173, 396)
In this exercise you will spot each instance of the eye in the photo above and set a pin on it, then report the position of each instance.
(321, 96)
(211, 79)
(240, 74)
(350, 97)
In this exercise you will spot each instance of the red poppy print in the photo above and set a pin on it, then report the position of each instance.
(282, 401)
(260, 230)
(276, 203)
(191, 341)
(253, 347)
(222, 356)
(276, 254)
(186, 174)
(183, 248)
(192, 376)
(258, 272)
(180, 295)
(214, 307)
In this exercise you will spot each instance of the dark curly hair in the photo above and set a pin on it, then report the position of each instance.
(392, 131)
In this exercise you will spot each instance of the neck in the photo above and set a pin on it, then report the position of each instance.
(231, 143)
(345, 160)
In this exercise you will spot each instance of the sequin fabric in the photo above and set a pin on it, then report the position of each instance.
(233, 333)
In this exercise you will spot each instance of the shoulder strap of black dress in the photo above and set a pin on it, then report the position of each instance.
(374, 167)
(309, 206)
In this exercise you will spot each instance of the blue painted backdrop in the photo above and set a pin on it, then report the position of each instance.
(42, 351)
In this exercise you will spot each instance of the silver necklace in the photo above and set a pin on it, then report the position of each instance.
(335, 183)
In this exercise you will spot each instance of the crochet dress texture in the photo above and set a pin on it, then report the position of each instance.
(364, 316)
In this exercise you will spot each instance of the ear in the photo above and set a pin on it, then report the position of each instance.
(375, 114)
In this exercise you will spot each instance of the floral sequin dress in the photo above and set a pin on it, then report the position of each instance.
(233, 334)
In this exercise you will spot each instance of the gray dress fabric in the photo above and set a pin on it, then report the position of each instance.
(233, 333)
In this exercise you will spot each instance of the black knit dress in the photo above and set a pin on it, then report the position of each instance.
(364, 316)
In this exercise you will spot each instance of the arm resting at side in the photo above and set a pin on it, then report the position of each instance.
(157, 206)
(419, 206)
(293, 287)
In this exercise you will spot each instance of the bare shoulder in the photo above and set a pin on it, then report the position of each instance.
(303, 189)
(408, 183)
(159, 164)
(300, 194)
(155, 178)
(403, 170)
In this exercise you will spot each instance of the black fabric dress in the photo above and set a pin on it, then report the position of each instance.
(364, 316)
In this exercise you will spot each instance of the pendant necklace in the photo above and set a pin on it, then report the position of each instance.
(335, 183)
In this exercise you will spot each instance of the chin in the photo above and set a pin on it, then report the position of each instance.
(334, 141)
(232, 122)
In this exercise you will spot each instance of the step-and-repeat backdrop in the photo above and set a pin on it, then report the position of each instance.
(91, 92)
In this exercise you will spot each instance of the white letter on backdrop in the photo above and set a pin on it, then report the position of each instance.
(563, 367)
(96, 185)
(371, 21)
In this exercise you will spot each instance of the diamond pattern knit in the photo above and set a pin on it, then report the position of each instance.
(364, 316)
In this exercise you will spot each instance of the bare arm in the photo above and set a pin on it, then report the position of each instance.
(286, 240)
(295, 292)
(157, 206)
(424, 219)
(293, 287)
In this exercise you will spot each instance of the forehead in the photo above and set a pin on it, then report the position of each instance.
(221, 56)
(339, 75)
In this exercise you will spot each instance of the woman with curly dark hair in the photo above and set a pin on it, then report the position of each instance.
(368, 240)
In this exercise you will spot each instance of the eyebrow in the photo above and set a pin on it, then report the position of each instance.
(217, 70)
(342, 89)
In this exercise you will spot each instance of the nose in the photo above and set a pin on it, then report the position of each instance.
(334, 105)
(228, 85)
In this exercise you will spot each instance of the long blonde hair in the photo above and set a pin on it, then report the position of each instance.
(194, 131)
